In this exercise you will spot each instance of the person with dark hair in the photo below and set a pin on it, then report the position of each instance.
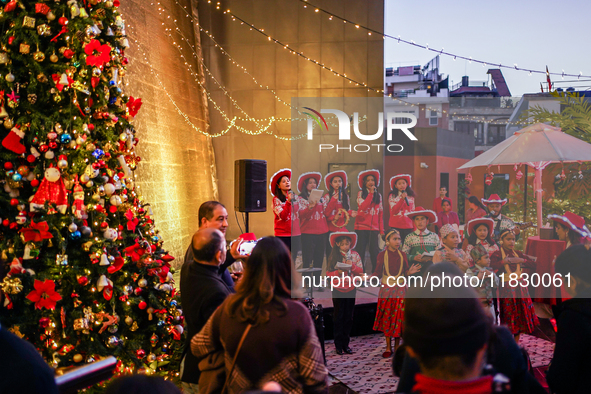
(402, 201)
(570, 228)
(449, 251)
(446, 216)
(442, 195)
(344, 263)
(487, 280)
(392, 263)
(495, 204)
(202, 291)
(213, 214)
(338, 210)
(516, 307)
(286, 210)
(274, 330)
(420, 245)
(141, 384)
(22, 369)
(480, 233)
(570, 363)
(312, 222)
(446, 331)
(475, 209)
(369, 224)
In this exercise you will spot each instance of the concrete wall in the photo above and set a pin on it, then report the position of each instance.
(340, 46)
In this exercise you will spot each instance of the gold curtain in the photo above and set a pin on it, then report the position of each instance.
(177, 172)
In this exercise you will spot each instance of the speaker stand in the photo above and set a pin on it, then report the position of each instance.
(246, 223)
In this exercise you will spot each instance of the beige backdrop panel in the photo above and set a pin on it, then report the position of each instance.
(343, 47)
(177, 171)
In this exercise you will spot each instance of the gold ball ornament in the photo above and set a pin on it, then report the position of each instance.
(53, 58)
(77, 358)
(151, 357)
(9, 77)
(39, 56)
(8, 123)
(57, 98)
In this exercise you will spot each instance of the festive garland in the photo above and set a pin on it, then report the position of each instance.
(347, 217)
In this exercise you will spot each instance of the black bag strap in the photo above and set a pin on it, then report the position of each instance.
(246, 330)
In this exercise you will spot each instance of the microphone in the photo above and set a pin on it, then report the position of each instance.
(340, 193)
(406, 199)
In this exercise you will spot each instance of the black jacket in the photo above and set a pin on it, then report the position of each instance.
(22, 369)
(571, 363)
(223, 271)
(505, 357)
(202, 291)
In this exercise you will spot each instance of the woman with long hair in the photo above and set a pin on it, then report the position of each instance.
(338, 210)
(312, 222)
(570, 228)
(401, 200)
(286, 210)
(271, 328)
(369, 224)
(480, 232)
(475, 209)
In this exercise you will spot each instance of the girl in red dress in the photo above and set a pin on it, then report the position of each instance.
(338, 208)
(392, 263)
(517, 309)
(401, 200)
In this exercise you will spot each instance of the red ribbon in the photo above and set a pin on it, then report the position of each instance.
(36, 232)
(131, 221)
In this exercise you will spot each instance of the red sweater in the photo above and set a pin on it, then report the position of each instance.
(398, 208)
(332, 207)
(369, 215)
(312, 221)
(287, 221)
(356, 269)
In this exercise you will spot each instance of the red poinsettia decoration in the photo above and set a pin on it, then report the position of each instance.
(131, 221)
(44, 295)
(134, 106)
(102, 56)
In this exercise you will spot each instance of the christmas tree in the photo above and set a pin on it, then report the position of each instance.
(85, 274)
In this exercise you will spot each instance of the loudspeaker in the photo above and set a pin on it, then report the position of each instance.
(250, 185)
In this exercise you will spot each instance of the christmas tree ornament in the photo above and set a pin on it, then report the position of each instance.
(140, 353)
(4, 58)
(13, 141)
(134, 326)
(113, 329)
(43, 30)
(104, 260)
(82, 280)
(128, 320)
(76, 235)
(21, 218)
(62, 162)
(51, 190)
(44, 295)
(9, 77)
(24, 48)
(115, 200)
(61, 259)
(63, 21)
(23, 170)
(32, 98)
(38, 56)
(49, 155)
(113, 341)
(11, 285)
(8, 123)
(65, 138)
(29, 22)
(77, 358)
(142, 283)
(72, 227)
(53, 58)
(142, 305)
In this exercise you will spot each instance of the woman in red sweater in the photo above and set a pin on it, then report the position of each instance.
(369, 223)
(338, 208)
(401, 200)
(312, 222)
(285, 208)
(343, 263)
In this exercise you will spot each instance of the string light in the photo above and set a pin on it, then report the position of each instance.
(426, 46)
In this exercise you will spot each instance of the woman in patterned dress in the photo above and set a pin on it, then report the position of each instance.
(392, 263)
(517, 309)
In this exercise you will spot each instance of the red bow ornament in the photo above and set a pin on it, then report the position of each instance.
(37, 232)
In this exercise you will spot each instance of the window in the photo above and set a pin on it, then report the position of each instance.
(478, 134)
(496, 134)
(462, 127)
(403, 120)
(433, 121)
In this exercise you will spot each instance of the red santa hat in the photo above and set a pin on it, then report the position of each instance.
(306, 175)
(352, 237)
(363, 174)
(395, 178)
(475, 222)
(277, 176)
(573, 222)
(494, 199)
(340, 173)
(429, 214)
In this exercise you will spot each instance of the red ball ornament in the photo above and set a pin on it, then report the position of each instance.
(68, 53)
(90, 127)
(31, 158)
(63, 21)
(53, 145)
(23, 170)
(5, 222)
(140, 353)
(10, 40)
(137, 291)
(34, 183)
(44, 322)
(142, 305)
(104, 225)
(8, 166)
(43, 148)
(14, 202)
(83, 281)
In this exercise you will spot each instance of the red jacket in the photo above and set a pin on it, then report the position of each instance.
(369, 215)
(398, 208)
(312, 221)
(332, 207)
(287, 221)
